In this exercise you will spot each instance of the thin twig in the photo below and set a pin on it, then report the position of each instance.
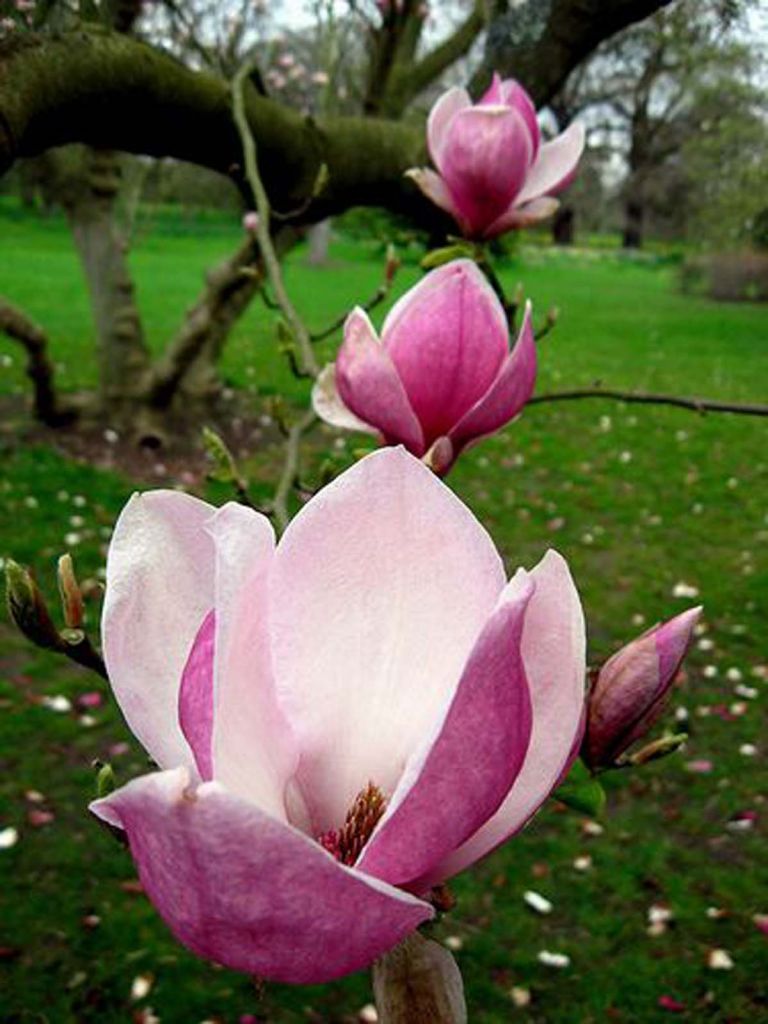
(378, 297)
(701, 405)
(263, 235)
(290, 468)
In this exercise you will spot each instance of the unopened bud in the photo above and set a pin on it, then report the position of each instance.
(392, 264)
(655, 751)
(71, 595)
(27, 608)
(251, 222)
(440, 456)
(553, 315)
(224, 467)
(632, 689)
(105, 780)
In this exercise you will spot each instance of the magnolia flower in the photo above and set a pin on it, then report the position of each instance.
(494, 172)
(341, 722)
(441, 376)
(633, 687)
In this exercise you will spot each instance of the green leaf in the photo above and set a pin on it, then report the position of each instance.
(581, 792)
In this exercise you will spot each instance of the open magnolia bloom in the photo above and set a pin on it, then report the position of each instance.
(493, 171)
(341, 721)
(440, 377)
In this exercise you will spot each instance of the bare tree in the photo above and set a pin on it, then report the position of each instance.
(111, 92)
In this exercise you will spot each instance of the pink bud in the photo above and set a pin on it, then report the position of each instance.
(251, 221)
(493, 172)
(632, 689)
(441, 377)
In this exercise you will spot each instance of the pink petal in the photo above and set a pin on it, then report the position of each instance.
(447, 338)
(440, 117)
(523, 216)
(555, 165)
(673, 638)
(508, 393)
(159, 588)
(486, 159)
(555, 665)
(254, 753)
(435, 189)
(493, 95)
(196, 697)
(454, 783)
(327, 403)
(514, 95)
(370, 387)
(238, 887)
(381, 586)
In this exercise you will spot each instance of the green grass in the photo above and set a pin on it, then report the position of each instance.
(637, 498)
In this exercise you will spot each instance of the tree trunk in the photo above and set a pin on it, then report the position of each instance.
(563, 226)
(634, 216)
(188, 367)
(123, 357)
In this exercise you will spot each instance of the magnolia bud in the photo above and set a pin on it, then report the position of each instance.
(105, 779)
(71, 595)
(392, 264)
(656, 750)
(251, 221)
(440, 456)
(632, 689)
(28, 609)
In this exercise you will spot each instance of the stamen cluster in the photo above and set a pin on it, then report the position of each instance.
(346, 843)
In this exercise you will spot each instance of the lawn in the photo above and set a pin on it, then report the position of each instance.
(639, 499)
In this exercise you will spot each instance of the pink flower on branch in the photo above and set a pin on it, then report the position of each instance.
(440, 377)
(633, 687)
(493, 171)
(341, 721)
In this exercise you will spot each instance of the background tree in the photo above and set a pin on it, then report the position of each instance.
(100, 87)
(641, 92)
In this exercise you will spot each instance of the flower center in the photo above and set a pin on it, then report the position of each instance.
(346, 843)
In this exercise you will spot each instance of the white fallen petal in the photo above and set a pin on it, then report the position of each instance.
(8, 837)
(719, 960)
(537, 902)
(658, 913)
(141, 986)
(58, 703)
(557, 960)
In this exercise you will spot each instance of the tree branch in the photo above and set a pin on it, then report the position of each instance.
(290, 469)
(541, 41)
(408, 81)
(110, 91)
(19, 327)
(701, 405)
(263, 230)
